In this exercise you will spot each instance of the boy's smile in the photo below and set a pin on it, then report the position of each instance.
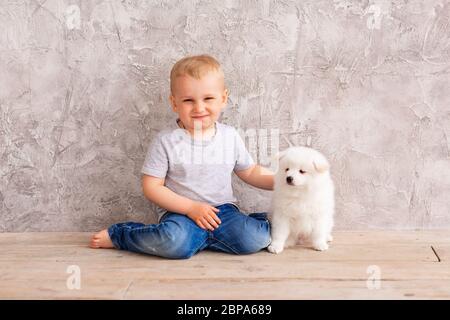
(199, 102)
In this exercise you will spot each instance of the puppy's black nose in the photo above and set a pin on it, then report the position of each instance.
(289, 179)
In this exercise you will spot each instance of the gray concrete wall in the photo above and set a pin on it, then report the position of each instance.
(84, 88)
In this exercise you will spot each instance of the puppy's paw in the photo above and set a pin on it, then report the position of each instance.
(329, 238)
(275, 248)
(321, 246)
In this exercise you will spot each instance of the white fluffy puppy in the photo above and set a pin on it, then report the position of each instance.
(303, 200)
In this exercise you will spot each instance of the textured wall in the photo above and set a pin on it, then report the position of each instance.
(84, 88)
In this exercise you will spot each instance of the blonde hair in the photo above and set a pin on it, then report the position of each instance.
(196, 67)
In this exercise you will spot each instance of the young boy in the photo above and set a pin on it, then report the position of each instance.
(187, 173)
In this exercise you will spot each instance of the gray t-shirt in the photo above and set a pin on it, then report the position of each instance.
(200, 170)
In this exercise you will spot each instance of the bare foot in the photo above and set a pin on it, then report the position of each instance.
(101, 240)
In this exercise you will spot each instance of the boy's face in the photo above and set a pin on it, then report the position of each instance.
(199, 102)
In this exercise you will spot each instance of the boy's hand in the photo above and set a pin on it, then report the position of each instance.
(204, 215)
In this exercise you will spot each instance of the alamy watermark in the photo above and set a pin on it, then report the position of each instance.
(374, 280)
(72, 17)
(262, 145)
(73, 282)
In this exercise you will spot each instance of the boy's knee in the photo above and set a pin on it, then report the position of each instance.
(256, 242)
(254, 234)
(177, 250)
(180, 254)
(177, 244)
(264, 240)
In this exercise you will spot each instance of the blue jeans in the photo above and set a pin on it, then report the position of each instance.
(178, 237)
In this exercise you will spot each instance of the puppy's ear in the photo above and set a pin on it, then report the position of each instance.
(321, 164)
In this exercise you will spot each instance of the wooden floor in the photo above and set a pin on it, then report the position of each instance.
(409, 265)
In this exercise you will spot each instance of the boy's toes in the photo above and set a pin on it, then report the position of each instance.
(101, 240)
(94, 243)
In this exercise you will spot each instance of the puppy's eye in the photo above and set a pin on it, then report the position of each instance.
(302, 171)
(286, 169)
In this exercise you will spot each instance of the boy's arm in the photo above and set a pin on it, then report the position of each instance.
(202, 214)
(257, 176)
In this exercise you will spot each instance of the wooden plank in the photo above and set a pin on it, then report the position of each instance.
(34, 265)
(340, 237)
(337, 252)
(287, 289)
(91, 288)
(112, 285)
(45, 238)
(153, 269)
(376, 237)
